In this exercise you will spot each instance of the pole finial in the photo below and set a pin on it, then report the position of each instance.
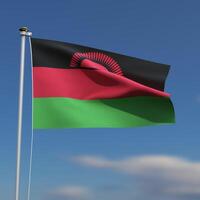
(23, 29)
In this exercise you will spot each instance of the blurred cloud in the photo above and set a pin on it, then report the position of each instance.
(157, 176)
(70, 192)
(198, 98)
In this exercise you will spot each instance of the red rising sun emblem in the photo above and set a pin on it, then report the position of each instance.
(96, 60)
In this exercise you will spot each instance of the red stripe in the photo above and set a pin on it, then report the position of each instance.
(86, 84)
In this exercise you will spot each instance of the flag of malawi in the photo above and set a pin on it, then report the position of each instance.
(81, 87)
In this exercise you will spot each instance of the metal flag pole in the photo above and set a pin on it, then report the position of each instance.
(23, 32)
(32, 132)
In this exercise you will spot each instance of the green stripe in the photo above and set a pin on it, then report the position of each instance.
(124, 112)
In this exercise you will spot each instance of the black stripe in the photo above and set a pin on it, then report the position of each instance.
(58, 55)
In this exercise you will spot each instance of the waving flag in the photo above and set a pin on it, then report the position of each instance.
(81, 87)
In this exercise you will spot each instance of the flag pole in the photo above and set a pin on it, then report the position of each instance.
(23, 32)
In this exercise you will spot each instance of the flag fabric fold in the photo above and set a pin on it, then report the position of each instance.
(81, 87)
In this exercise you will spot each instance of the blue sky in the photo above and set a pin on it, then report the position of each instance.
(159, 162)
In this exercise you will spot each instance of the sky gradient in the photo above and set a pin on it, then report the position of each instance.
(160, 162)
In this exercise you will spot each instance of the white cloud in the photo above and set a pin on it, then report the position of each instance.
(163, 175)
(71, 192)
(93, 161)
